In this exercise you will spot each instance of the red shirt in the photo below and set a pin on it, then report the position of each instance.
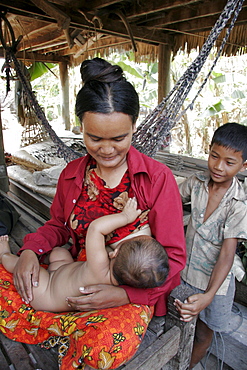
(155, 188)
(97, 200)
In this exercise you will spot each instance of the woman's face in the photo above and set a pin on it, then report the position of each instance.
(108, 137)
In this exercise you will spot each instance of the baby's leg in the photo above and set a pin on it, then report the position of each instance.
(7, 259)
(58, 257)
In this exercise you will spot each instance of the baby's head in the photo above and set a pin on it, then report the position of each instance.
(232, 136)
(141, 262)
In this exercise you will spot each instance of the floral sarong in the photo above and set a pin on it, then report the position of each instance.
(103, 339)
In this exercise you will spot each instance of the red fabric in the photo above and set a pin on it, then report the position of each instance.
(155, 188)
(97, 200)
(102, 339)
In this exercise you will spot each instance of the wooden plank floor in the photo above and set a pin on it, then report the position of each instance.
(21, 356)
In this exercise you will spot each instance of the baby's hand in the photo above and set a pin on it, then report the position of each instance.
(130, 210)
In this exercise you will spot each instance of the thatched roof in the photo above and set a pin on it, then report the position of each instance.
(58, 30)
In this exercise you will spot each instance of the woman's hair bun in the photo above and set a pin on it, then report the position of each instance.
(98, 69)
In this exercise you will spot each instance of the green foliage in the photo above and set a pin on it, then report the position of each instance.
(213, 109)
(220, 78)
(133, 71)
(37, 69)
(237, 94)
(143, 76)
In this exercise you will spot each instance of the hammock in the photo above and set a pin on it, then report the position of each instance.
(152, 132)
(155, 128)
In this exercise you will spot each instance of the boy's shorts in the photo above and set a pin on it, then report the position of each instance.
(218, 314)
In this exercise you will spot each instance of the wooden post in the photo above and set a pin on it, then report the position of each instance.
(64, 78)
(4, 182)
(181, 360)
(164, 71)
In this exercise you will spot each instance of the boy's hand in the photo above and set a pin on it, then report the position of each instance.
(130, 210)
(192, 306)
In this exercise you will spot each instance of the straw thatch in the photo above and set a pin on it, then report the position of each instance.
(236, 43)
(71, 31)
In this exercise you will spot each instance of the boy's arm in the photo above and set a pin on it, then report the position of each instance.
(97, 256)
(185, 189)
(197, 302)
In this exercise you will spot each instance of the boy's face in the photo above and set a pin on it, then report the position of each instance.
(224, 164)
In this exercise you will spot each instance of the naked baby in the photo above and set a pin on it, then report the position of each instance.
(137, 260)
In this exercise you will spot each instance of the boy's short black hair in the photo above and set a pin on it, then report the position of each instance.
(232, 135)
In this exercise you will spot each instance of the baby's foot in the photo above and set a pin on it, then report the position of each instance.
(4, 246)
(131, 210)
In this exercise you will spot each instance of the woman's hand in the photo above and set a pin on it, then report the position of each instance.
(26, 274)
(192, 306)
(95, 297)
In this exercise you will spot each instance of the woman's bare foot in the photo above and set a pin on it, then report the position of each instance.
(4, 246)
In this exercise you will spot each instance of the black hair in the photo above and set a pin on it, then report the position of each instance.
(232, 135)
(141, 263)
(105, 90)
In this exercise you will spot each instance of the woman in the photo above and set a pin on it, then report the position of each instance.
(98, 184)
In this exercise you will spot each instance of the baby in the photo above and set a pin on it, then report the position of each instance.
(139, 261)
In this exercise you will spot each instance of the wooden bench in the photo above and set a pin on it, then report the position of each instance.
(167, 343)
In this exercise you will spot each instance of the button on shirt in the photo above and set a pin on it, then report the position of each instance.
(204, 239)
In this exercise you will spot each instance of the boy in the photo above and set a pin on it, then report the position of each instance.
(139, 261)
(218, 220)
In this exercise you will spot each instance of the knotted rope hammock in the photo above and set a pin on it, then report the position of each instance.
(155, 128)
(151, 133)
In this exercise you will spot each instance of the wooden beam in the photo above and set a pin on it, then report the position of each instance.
(198, 26)
(169, 17)
(41, 40)
(144, 8)
(106, 46)
(26, 9)
(63, 20)
(27, 27)
(98, 4)
(52, 58)
(87, 43)
(110, 27)
(64, 78)
(48, 48)
(164, 71)
(64, 50)
(78, 21)
(184, 14)
(56, 50)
